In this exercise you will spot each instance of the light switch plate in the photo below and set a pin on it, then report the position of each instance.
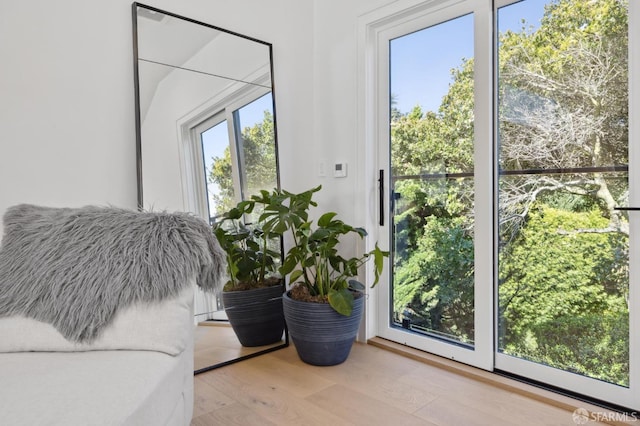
(322, 170)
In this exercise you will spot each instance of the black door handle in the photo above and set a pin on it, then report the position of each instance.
(627, 208)
(381, 196)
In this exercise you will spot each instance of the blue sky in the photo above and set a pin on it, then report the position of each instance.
(421, 62)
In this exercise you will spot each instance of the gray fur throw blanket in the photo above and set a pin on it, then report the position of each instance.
(75, 268)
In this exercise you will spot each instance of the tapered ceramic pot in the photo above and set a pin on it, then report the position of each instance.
(255, 315)
(321, 335)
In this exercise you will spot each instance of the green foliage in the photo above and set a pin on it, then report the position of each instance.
(596, 345)
(314, 260)
(562, 296)
(252, 250)
(437, 142)
(563, 266)
(259, 152)
(435, 285)
(222, 175)
(547, 275)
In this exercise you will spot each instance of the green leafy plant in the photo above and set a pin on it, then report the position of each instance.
(253, 252)
(314, 262)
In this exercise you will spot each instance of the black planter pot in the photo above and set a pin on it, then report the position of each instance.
(321, 335)
(255, 315)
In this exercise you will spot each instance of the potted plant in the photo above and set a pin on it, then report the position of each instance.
(252, 296)
(324, 306)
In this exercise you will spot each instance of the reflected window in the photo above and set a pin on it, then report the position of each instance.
(216, 156)
(238, 154)
(254, 138)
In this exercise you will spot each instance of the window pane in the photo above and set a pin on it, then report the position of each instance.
(256, 147)
(563, 156)
(217, 169)
(432, 180)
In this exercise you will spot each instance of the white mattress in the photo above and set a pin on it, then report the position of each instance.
(96, 388)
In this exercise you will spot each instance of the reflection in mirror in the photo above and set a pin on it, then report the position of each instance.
(206, 138)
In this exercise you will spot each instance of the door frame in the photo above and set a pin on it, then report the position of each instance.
(375, 31)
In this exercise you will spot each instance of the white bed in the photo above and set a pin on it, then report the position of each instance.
(96, 388)
(139, 373)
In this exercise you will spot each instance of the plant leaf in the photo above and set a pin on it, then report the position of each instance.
(378, 261)
(325, 219)
(235, 213)
(288, 265)
(295, 275)
(341, 301)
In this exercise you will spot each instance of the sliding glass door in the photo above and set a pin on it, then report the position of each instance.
(564, 173)
(511, 150)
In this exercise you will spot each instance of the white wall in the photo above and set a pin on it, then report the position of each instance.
(333, 131)
(67, 135)
(180, 100)
(66, 104)
(67, 132)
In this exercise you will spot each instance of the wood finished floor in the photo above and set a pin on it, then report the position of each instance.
(217, 343)
(373, 387)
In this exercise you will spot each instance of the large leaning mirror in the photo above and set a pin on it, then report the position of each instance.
(206, 139)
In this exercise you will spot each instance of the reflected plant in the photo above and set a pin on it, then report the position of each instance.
(253, 254)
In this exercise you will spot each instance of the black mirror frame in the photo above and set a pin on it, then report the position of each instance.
(138, 125)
